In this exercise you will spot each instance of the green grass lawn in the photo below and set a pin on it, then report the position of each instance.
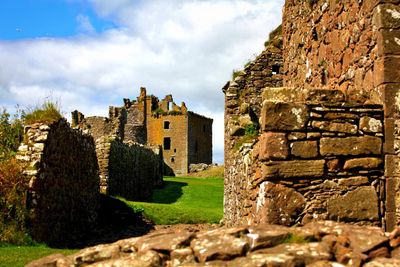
(184, 200)
(21, 255)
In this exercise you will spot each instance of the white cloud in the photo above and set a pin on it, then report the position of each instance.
(84, 25)
(187, 48)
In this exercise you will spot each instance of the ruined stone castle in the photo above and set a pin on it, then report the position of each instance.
(185, 137)
(324, 97)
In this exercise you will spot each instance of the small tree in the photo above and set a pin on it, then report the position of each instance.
(10, 134)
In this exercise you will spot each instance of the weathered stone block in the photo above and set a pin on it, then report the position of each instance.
(389, 143)
(278, 204)
(364, 163)
(387, 70)
(389, 42)
(278, 116)
(387, 16)
(354, 181)
(358, 205)
(331, 146)
(370, 125)
(293, 168)
(392, 166)
(344, 127)
(391, 97)
(273, 146)
(305, 149)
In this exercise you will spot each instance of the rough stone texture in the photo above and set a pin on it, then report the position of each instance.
(341, 65)
(273, 146)
(294, 168)
(364, 145)
(305, 149)
(278, 116)
(353, 205)
(277, 204)
(323, 243)
(64, 185)
(243, 96)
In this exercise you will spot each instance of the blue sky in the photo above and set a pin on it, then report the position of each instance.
(89, 54)
(22, 19)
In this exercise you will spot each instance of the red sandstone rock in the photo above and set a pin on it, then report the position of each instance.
(273, 146)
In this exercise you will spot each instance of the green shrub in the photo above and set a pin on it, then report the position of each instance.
(10, 135)
(13, 194)
(48, 112)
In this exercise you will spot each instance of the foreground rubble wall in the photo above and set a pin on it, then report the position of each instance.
(323, 243)
(63, 198)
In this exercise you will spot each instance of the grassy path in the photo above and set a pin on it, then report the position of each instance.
(184, 200)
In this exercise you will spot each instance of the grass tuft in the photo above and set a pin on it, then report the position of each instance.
(48, 112)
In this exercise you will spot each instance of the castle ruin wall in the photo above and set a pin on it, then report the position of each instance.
(63, 198)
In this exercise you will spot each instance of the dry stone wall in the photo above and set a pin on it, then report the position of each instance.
(324, 243)
(130, 170)
(243, 101)
(63, 198)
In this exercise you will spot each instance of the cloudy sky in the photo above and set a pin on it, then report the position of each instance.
(89, 54)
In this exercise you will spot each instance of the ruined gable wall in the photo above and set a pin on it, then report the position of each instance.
(331, 44)
(176, 158)
(64, 186)
(200, 139)
(243, 102)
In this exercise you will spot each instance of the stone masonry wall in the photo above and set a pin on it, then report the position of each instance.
(129, 170)
(63, 197)
(243, 101)
(331, 44)
(318, 158)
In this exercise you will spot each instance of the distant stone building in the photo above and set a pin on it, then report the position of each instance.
(185, 137)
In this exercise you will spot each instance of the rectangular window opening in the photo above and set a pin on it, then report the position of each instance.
(167, 143)
(166, 124)
(275, 69)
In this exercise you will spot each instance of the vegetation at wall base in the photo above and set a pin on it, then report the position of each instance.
(184, 200)
(48, 112)
(13, 214)
(18, 256)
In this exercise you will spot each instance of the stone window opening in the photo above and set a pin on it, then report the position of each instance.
(169, 106)
(167, 143)
(172, 159)
(175, 150)
(275, 69)
(166, 124)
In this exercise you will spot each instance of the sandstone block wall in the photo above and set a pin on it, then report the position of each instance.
(342, 46)
(63, 197)
(318, 160)
(331, 44)
(129, 170)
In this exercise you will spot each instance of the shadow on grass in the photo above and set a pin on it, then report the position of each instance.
(169, 193)
(116, 221)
